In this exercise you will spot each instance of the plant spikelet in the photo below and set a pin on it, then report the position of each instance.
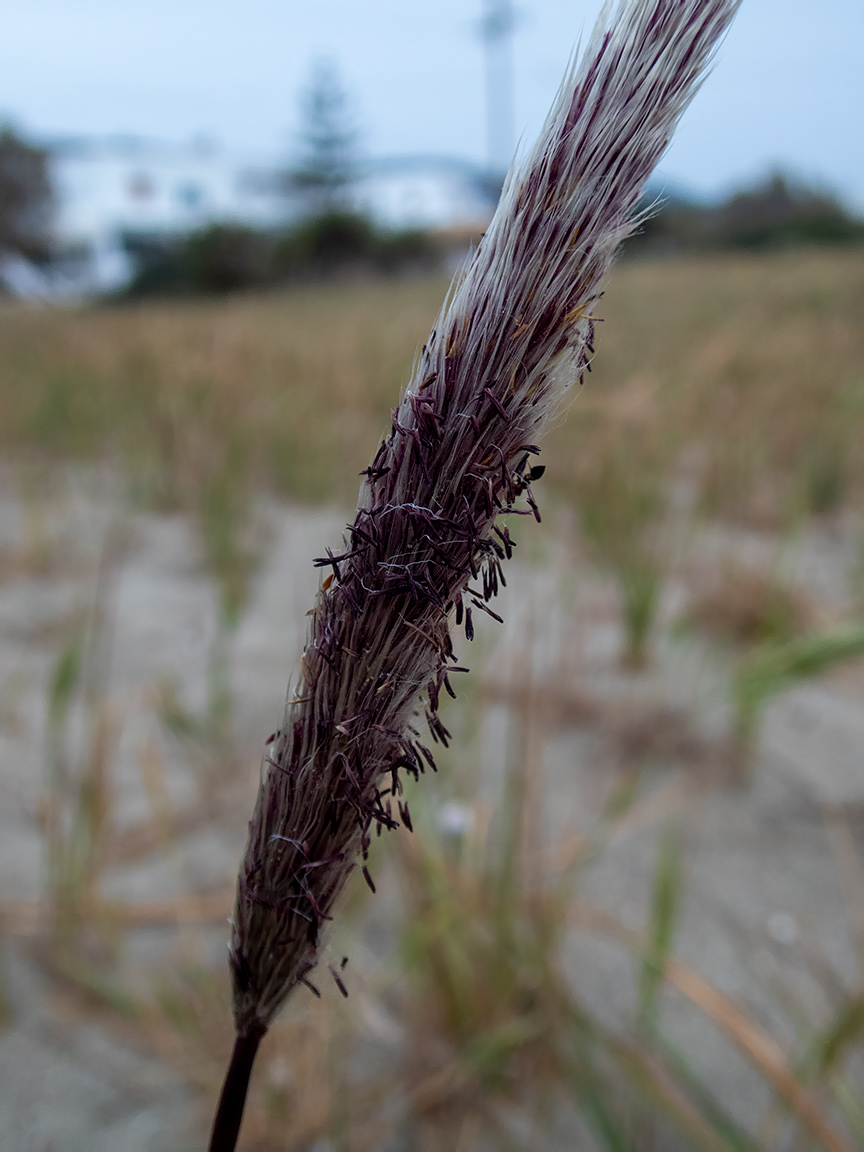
(426, 547)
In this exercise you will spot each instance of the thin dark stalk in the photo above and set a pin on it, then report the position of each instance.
(226, 1126)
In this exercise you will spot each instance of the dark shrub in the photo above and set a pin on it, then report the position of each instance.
(225, 258)
(326, 244)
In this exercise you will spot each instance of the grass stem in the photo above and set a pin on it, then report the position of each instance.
(232, 1101)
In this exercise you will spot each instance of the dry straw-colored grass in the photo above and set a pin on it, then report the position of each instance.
(750, 369)
(284, 389)
(737, 380)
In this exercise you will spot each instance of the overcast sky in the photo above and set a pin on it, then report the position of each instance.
(787, 90)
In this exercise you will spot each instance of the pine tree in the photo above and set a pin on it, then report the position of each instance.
(328, 168)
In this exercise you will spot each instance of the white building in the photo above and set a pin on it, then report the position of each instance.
(113, 189)
(439, 193)
(120, 188)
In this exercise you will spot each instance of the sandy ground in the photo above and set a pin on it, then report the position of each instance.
(771, 886)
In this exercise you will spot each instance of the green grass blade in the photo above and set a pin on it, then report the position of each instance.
(844, 1031)
(65, 678)
(661, 930)
(774, 667)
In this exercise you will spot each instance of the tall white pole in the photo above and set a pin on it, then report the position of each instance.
(497, 31)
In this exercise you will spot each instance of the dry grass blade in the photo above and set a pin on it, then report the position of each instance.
(766, 1055)
(27, 917)
(760, 1049)
(656, 1081)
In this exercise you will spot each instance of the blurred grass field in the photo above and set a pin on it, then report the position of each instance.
(750, 369)
(725, 408)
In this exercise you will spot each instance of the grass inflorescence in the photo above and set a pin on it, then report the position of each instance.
(729, 398)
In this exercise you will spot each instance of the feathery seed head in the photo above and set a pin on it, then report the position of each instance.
(425, 547)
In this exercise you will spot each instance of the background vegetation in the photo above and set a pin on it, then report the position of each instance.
(332, 239)
(770, 350)
(730, 399)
